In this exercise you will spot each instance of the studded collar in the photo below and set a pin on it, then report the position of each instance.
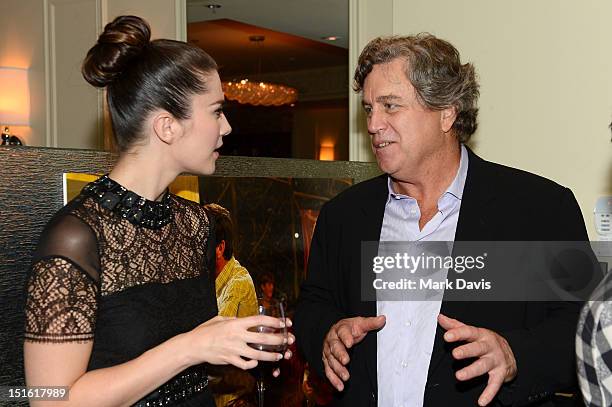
(129, 205)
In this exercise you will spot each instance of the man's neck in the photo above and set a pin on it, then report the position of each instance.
(220, 265)
(427, 183)
(430, 182)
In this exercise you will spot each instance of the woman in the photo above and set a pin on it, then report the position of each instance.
(266, 286)
(121, 303)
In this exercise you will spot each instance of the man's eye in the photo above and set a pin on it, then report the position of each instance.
(367, 110)
(390, 106)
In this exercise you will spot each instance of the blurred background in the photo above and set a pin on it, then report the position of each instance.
(299, 45)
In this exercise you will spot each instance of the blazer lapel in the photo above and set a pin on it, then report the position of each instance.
(478, 191)
(473, 225)
(373, 211)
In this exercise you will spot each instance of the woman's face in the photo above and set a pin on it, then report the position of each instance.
(267, 289)
(203, 132)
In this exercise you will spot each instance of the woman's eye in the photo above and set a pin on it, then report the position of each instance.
(219, 112)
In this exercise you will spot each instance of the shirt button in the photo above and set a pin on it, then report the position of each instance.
(413, 211)
(404, 364)
(407, 323)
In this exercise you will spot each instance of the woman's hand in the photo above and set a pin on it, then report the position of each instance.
(224, 340)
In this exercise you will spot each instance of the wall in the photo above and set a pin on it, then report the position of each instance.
(166, 17)
(51, 38)
(545, 71)
(367, 19)
(317, 125)
(74, 106)
(22, 46)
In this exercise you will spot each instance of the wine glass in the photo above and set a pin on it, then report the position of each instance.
(273, 308)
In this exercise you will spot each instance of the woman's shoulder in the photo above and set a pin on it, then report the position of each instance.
(70, 237)
(72, 216)
(82, 206)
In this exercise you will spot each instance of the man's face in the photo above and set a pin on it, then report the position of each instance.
(404, 134)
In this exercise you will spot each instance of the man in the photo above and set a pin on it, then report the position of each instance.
(235, 298)
(421, 106)
(234, 286)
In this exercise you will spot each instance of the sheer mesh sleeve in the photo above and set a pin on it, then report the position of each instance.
(62, 289)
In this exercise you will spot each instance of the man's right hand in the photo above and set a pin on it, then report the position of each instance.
(342, 336)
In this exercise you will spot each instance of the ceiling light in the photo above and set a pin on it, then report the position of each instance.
(331, 38)
(259, 93)
(202, 3)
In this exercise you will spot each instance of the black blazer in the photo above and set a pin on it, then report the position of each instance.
(499, 203)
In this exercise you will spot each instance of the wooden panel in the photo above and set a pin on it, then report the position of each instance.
(31, 192)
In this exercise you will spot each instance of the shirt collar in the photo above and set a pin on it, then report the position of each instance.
(225, 273)
(455, 188)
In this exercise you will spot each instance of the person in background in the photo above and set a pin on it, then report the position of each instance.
(120, 304)
(234, 286)
(594, 344)
(235, 298)
(266, 286)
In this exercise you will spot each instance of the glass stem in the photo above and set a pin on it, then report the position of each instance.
(261, 388)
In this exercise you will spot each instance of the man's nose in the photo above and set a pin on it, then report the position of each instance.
(376, 122)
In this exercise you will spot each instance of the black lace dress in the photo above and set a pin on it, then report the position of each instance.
(128, 274)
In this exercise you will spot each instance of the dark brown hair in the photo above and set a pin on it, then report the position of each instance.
(433, 67)
(223, 228)
(266, 277)
(141, 76)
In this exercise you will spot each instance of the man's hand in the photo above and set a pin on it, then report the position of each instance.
(342, 336)
(492, 351)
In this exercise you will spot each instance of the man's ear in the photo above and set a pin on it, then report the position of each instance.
(220, 249)
(447, 118)
(166, 127)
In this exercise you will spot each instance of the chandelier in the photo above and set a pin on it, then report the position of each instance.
(259, 93)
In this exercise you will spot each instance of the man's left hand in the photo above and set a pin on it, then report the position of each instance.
(493, 353)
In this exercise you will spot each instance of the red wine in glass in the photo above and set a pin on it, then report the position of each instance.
(273, 308)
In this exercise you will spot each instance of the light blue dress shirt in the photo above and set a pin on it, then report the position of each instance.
(406, 342)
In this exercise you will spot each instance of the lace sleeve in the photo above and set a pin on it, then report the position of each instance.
(62, 290)
(61, 302)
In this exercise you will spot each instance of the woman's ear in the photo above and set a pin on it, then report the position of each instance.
(166, 127)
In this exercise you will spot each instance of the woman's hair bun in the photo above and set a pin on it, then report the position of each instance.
(123, 39)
